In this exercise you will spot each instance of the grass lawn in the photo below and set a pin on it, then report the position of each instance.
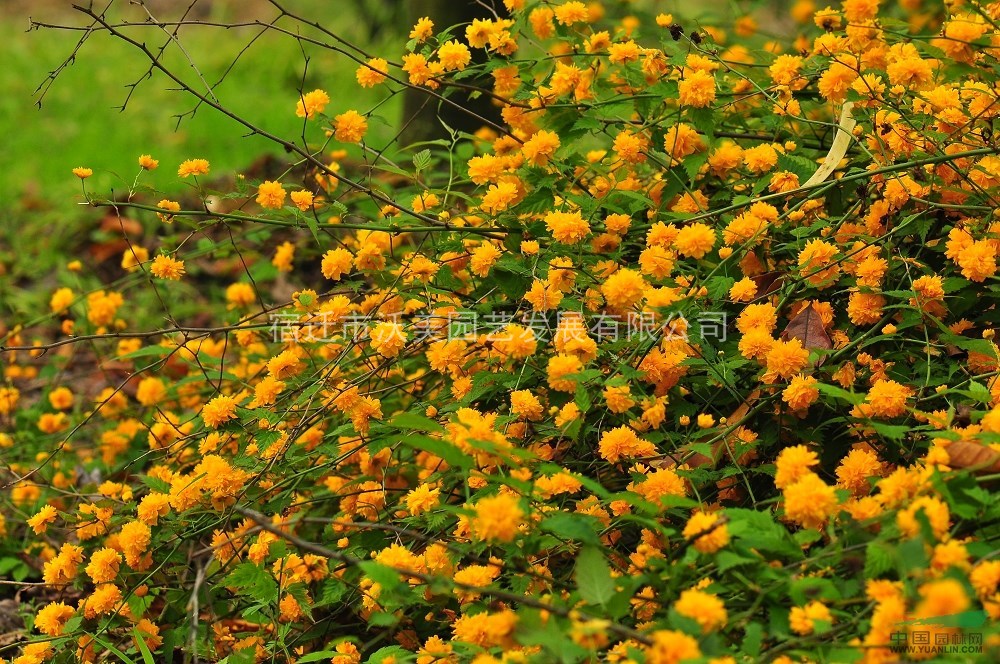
(78, 123)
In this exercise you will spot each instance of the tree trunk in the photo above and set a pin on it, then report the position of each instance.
(424, 114)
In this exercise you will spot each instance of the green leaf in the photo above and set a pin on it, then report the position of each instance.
(753, 636)
(878, 559)
(397, 653)
(147, 656)
(593, 576)
(415, 422)
(840, 393)
(322, 656)
(113, 650)
(333, 589)
(422, 160)
(727, 560)
(253, 581)
(313, 227)
(576, 527)
(155, 483)
(438, 447)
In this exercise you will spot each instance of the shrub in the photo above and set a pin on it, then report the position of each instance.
(691, 356)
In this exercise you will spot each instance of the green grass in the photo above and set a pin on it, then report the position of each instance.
(42, 228)
(78, 124)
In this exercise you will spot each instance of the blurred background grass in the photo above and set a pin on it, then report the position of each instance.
(78, 123)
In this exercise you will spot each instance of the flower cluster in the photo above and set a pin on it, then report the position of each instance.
(814, 485)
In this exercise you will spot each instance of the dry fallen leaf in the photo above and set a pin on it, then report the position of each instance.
(807, 327)
(974, 456)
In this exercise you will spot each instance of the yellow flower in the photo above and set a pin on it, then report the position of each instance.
(311, 104)
(372, 73)
(801, 392)
(148, 163)
(336, 263)
(760, 159)
(167, 267)
(270, 195)
(283, 257)
(978, 260)
(809, 502)
(422, 29)
(543, 295)
(61, 398)
(567, 227)
(624, 288)
(787, 358)
(658, 484)
(704, 608)
(540, 147)
(497, 518)
(559, 367)
(709, 531)
(388, 338)
(856, 468)
(103, 566)
(62, 298)
(105, 599)
(350, 127)
(422, 499)
(682, 140)
(865, 308)
(933, 508)
(671, 647)
(696, 89)
(82, 173)
(487, 630)
(40, 521)
(526, 405)
(454, 55)
(218, 411)
(192, 167)
(618, 398)
(886, 398)
(498, 197)
(133, 257)
(695, 240)
(816, 263)
(623, 442)
(743, 290)
(622, 53)
(52, 618)
(483, 257)
(802, 620)
(792, 464)
(571, 12)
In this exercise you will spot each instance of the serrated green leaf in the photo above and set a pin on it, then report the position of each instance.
(878, 559)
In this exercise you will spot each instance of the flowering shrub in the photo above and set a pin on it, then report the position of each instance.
(690, 357)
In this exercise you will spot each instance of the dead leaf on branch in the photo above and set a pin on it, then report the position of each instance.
(973, 456)
(767, 283)
(719, 448)
(807, 327)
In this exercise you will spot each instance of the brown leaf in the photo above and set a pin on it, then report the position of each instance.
(807, 327)
(975, 457)
(767, 283)
(697, 459)
(112, 223)
(102, 251)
